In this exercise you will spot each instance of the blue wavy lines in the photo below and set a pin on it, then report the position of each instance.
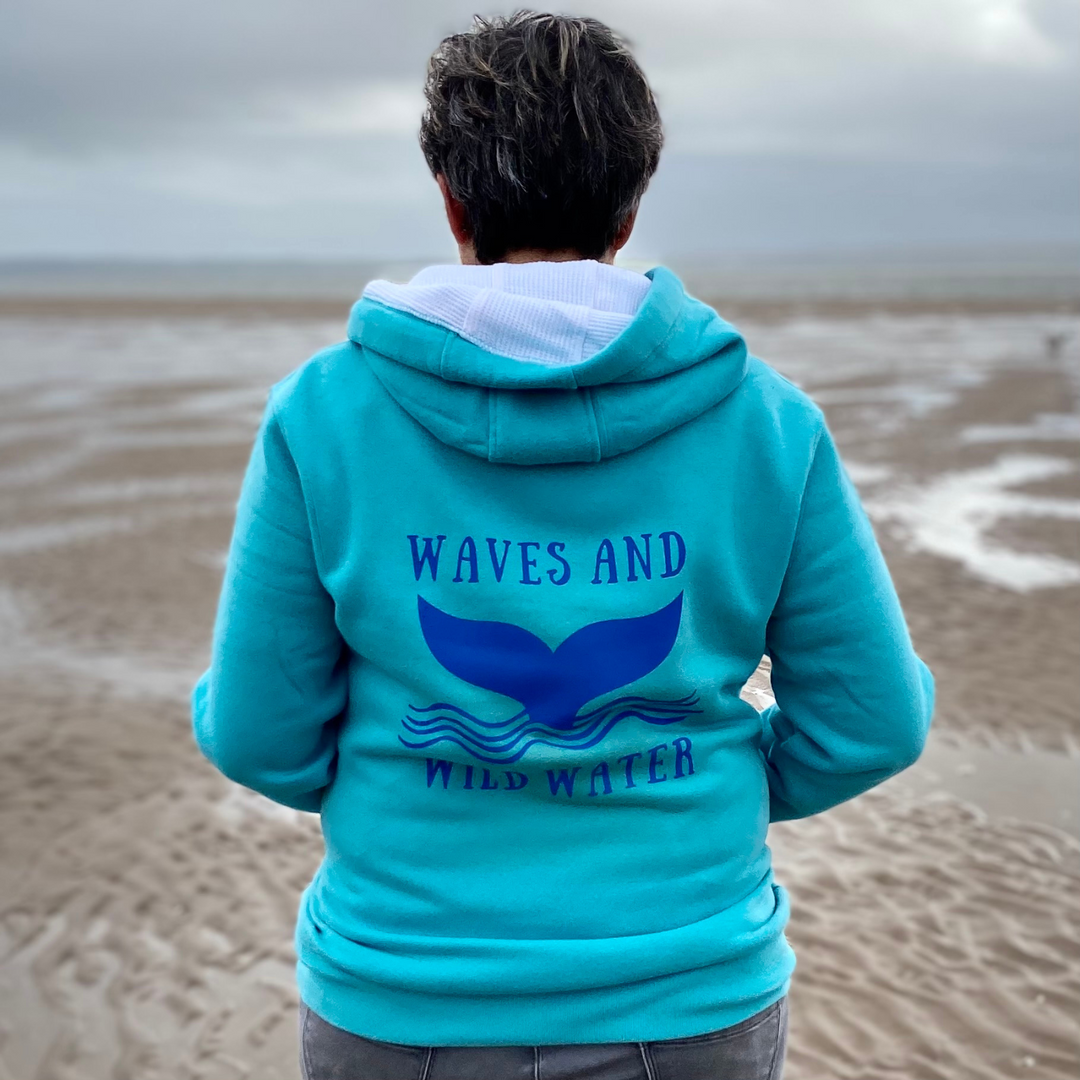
(505, 741)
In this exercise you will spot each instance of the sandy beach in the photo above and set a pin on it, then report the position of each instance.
(147, 904)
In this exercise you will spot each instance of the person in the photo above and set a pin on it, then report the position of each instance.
(502, 562)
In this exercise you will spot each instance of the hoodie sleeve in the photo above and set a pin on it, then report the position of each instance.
(853, 700)
(265, 711)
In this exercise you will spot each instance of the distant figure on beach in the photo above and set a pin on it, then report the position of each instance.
(1055, 344)
(503, 561)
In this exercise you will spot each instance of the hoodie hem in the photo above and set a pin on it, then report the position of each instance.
(675, 1006)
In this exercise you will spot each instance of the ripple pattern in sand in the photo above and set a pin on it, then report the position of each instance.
(933, 943)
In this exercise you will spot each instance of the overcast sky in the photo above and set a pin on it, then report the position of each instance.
(247, 128)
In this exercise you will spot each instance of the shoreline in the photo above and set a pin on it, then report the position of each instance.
(761, 310)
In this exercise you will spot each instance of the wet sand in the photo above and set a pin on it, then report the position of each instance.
(146, 904)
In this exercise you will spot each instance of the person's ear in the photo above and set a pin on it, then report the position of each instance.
(455, 212)
(625, 229)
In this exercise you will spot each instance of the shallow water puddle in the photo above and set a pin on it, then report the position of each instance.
(1033, 785)
(952, 515)
(1052, 427)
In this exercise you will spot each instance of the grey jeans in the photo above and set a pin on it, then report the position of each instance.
(751, 1050)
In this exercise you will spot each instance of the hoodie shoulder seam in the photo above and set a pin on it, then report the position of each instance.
(313, 518)
(811, 458)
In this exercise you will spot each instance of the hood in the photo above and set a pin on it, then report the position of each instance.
(570, 362)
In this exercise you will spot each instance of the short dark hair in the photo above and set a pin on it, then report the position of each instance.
(545, 129)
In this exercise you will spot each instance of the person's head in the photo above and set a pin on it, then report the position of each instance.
(543, 134)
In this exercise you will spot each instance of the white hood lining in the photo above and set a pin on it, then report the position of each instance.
(553, 313)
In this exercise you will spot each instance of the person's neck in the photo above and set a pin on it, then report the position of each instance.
(467, 254)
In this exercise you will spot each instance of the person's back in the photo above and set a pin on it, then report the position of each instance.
(503, 561)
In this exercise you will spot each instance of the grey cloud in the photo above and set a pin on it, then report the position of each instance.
(74, 76)
(255, 124)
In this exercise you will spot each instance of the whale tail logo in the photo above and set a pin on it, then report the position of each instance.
(552, 685)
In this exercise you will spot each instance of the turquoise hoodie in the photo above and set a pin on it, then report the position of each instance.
(490, 617)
